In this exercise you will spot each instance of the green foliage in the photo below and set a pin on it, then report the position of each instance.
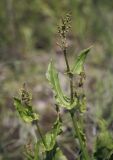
(59, 155)
(104, 144)
(49, 149)
(74, 100)
(61, 99)
(25, 111)
(78, 66)
(26, 25)
(50, 138)
(47, 146)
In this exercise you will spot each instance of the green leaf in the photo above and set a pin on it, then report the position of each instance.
(55, 154)
(50, 138)
(59, 155)
(78, 66)
(53, 79)
(25, 111)
(104, 144)
(51, 149)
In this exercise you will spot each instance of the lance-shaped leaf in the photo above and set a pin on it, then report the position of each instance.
(25, 111)
(78, 66)
(53, 78)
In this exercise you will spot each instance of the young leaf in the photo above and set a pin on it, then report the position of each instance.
(61, 99)
(25, 111)
(78, 66)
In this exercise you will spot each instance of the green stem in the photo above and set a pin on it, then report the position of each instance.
(39, 132)
(69, 74)
(71, 87)
(82, 145)
(66, 60)
(75, 123)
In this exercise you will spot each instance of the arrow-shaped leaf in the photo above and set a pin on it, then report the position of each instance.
(78, 66)
(25, 111)
(53, 78)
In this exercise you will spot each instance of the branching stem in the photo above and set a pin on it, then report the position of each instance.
(75, 123)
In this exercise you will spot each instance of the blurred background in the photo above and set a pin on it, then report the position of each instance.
(28, 39)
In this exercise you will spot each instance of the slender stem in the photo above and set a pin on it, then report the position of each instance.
(68, 72)
(39, 132)
(75, 123)
(66, 60)
(82, 145)
(71, 87)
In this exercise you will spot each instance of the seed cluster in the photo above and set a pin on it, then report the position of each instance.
(25, 96)
(63, 29)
